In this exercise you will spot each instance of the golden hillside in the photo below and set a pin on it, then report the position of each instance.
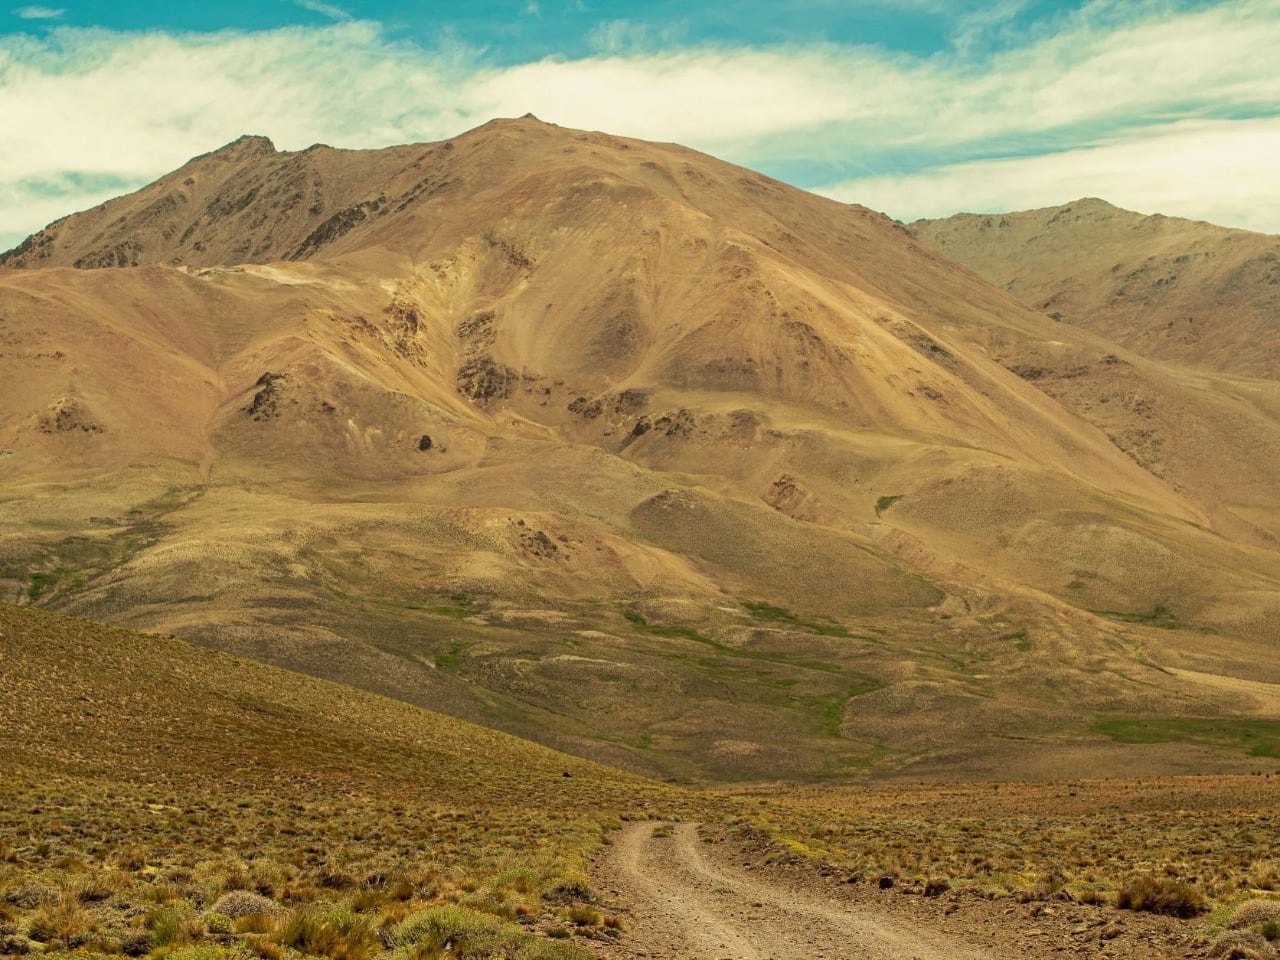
(146, 784)
(1172, 289)
(630, 450)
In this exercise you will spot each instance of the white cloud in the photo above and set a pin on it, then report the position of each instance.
(324, 9)
(28, 206)
(1215, 171)
(1093, 95)
(39, 13)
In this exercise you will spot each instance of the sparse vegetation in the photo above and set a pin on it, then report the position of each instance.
(1160, 894)
(769, 612)
(1126, 842)
(885, 502)
(271, 815)
(1256, 738)
(1158, 616)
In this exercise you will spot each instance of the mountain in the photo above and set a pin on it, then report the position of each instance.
(1179, 290)
(1201, 299)
(638, 453)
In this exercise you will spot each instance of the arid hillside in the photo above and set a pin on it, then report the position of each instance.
(638, 453)
(154, 794)
(1178, 290)
(156, 797)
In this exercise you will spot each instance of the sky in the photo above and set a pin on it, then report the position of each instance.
(919, 108)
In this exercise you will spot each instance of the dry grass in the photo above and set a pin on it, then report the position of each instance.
(1168, 845)
(156, 796)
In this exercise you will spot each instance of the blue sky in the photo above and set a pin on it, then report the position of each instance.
(916, 107)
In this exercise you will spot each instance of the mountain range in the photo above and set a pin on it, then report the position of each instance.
(660, 461)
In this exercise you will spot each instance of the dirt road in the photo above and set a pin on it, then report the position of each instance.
(687, 901)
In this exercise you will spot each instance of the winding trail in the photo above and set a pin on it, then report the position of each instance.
(688, 902)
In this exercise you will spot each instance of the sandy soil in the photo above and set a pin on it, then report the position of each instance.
(694, 895)
(688, 900)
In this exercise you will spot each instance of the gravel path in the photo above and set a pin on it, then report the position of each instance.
(686, 900)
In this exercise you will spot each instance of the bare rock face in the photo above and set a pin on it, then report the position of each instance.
(67, 415)
(266, 401)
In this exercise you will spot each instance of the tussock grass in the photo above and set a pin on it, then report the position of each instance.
(1135, 843)
(159, 797)
(1156, 894)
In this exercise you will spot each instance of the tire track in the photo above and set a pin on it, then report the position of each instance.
(688, 903)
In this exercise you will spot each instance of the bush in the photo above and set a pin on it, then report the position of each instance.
(520, 879)
(173, 925)
(575, 886)
(206, 951)
(337, 934)
(437, 927)
(243, 903)
(64, 922)
(1164, 895)
(1240, 945)
(470, 935)
(217, 923)
(1255, 911)
(584, 916)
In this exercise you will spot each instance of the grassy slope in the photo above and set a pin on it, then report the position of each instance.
(141, 777)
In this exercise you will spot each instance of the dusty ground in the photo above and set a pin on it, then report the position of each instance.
(692, 893)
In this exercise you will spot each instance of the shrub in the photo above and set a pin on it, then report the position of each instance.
(1255, 911)
(1164, 895)
(437, 927)
(63, 922)
(101, 886)
(243, 903)
(489, 901)
(217, 923)
(545, 950)
(208, 951)
(132, 858)
(520, 879)
(1240, 945)
(337, 934)
(936, 886)
(465, 934)
(575, 886)
(173, 925)
(584, 916)
(254, 923)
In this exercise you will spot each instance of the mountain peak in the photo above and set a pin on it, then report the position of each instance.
(244, 147)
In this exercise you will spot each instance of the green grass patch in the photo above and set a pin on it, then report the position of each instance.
(884, 503)
(771, 613)
(1159, 616)
(1257, 738)
(637, 619)
(1021, 640)
(452, 659)
(42, 581)
(831, 707)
